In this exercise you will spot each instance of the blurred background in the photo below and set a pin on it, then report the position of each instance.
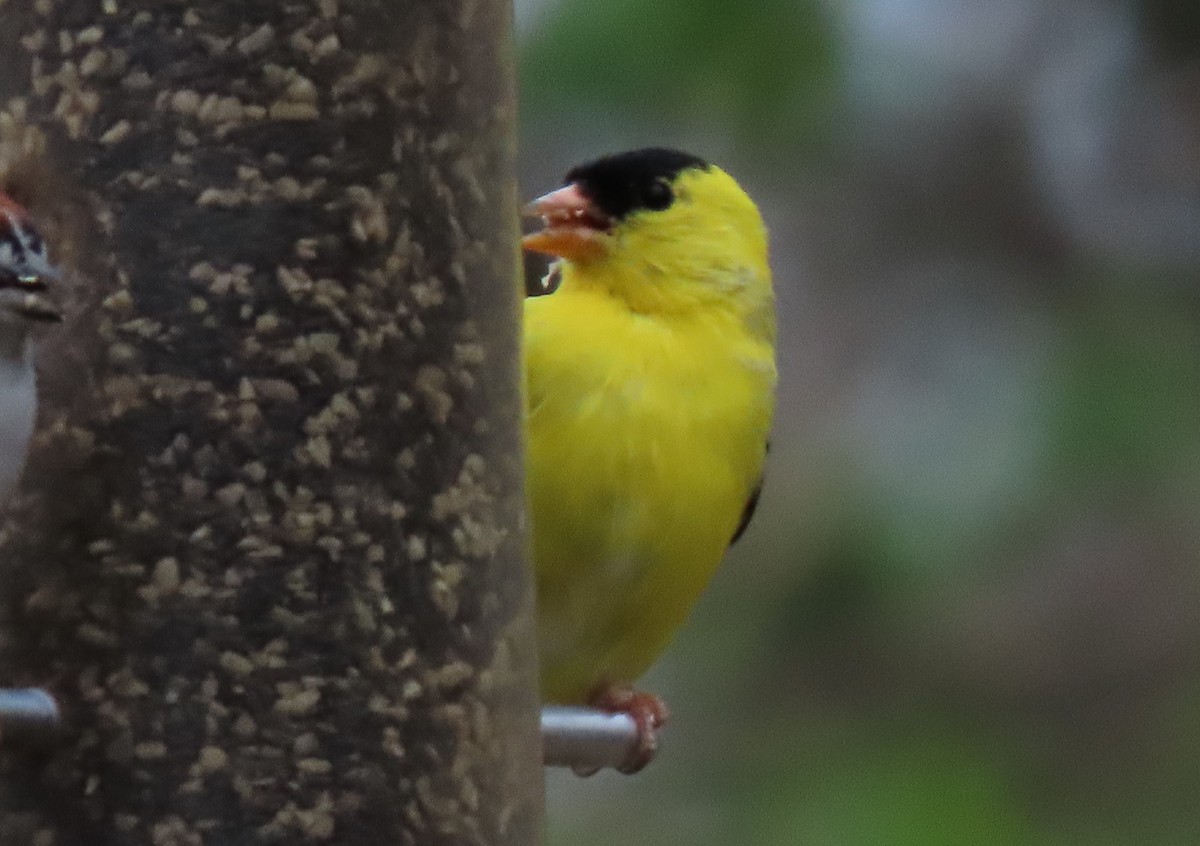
(969, 609)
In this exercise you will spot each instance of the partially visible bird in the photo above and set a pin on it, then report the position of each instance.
(25, 276)
(650, 376)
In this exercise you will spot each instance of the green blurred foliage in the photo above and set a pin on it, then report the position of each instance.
(1127, 406)
(760, 70)
(900, 785)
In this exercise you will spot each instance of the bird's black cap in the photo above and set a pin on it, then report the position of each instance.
(627, 182)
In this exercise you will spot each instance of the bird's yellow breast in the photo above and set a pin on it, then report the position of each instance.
(646, 437)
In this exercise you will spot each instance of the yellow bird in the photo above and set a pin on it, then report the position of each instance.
(650, 386)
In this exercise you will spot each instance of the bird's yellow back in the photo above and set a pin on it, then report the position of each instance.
(650, 380)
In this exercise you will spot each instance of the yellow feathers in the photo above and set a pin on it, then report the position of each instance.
(650, 379)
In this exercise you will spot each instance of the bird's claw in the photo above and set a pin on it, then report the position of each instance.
(648, 712)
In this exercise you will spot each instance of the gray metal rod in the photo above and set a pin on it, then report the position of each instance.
(584, 739)
(29, 716)
(587, 739)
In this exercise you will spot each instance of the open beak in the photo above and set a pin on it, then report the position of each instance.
(574, 229)
(34, 303)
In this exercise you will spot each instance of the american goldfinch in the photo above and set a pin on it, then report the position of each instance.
(650, 376)
(24, 273)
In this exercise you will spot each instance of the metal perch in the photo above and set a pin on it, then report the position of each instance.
(586, 739)
(29, 716)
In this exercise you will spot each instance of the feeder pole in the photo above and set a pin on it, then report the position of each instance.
(268, 556)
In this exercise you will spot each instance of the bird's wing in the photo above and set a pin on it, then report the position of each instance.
(747, 512)
(751, 505)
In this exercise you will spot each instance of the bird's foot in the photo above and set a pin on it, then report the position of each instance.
(648, 712)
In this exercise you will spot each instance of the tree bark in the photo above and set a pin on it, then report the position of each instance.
(268, 553)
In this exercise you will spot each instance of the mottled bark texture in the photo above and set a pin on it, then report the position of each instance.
(268, 550)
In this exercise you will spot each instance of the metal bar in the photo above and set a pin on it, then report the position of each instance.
(29, 716)
(586, 739)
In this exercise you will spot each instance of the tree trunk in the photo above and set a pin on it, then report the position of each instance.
(268, 552)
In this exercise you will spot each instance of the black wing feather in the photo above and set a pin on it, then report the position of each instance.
(747, 512)
(751, 505)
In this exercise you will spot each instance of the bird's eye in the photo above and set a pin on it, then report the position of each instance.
(658, 195)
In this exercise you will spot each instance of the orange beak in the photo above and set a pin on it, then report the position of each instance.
(574, 229)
